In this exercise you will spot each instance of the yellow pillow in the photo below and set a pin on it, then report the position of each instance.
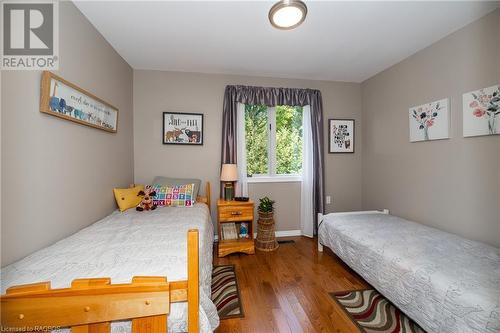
(128, 197)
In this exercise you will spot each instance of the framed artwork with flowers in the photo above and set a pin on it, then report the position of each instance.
(430, 121)
(482, 112)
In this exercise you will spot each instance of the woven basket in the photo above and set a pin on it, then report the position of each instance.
(266, 239)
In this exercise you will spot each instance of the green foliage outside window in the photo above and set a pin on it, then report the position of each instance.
(288, 139)
(256, 135)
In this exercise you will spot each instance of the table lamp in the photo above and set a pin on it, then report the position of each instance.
(228, 175)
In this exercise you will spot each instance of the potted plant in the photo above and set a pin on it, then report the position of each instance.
(266, 239)
(266, 207)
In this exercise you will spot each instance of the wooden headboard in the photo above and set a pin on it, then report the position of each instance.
(205, 199)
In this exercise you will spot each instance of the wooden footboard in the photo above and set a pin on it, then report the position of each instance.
(90, 305)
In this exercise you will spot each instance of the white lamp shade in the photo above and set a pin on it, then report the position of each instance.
(229, 173)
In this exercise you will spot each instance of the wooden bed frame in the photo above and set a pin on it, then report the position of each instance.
(205, 199)
(90, 305)
(321, 218)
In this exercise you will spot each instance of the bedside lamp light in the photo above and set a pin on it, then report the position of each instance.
(228, 175)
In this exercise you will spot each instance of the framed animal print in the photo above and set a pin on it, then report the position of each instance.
(340, 136)
(182, 128)
(63, 99)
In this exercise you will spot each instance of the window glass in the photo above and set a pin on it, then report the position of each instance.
(257, 137)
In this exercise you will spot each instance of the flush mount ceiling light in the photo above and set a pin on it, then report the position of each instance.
(287, 14)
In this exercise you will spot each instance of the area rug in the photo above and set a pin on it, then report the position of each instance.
(372, 312)
(225, 292)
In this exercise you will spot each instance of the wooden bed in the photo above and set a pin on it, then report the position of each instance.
(90, 305)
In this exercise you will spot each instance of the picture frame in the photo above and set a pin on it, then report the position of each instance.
(66, 100)
(341, 136)
(481, 112)
(430, 121)
(182, 128)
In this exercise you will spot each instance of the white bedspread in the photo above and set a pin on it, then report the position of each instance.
(444, 282)
(124, 245)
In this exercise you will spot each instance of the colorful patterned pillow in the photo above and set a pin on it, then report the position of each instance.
(174, 196)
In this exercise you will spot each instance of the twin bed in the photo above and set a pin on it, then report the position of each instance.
(126, 245)
(445, 283)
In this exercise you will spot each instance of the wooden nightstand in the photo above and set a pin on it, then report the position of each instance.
(235, 212)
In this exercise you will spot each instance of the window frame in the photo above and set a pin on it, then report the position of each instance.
(272, 176)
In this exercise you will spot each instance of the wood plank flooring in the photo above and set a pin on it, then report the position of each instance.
(287, 290)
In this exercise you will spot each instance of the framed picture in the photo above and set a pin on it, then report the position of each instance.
(482, 112)
(340, 136)
(66, 100)
(182, 128)
(430, 121)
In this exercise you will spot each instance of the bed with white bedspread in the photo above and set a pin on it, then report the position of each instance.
(445, 283)
(123, 245)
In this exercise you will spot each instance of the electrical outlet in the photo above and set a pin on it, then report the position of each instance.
(328, 199)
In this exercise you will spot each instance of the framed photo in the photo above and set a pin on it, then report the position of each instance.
(66, 100)
(430, 121)
(340, 136)
(481, 113)
(182, 128)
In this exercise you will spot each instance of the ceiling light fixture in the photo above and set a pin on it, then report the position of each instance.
(287, 14)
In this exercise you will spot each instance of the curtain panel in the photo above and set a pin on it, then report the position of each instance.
(272, 97)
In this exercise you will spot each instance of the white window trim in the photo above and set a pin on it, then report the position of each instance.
(275, 179)
(272, 177)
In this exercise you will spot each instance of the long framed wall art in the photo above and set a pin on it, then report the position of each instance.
(63, 99)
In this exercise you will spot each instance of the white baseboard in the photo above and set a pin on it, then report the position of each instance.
(283, 233)
(288, 233)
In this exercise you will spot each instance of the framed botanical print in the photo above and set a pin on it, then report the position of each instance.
(182, 128)
(481, 108)
(430, 121)
(340, 136)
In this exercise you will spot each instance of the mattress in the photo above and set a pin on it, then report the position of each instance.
(123, 245)
(445, 283)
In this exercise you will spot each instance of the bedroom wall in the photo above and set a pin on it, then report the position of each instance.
(58, 176)
(159, 91)
(454, 184)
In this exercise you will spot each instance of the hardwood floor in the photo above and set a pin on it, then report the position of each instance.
(287, 290)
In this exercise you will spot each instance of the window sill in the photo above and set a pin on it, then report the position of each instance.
(277, 179)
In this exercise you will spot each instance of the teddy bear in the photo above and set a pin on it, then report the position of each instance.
(147, 200)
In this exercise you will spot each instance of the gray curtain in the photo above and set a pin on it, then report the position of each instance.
(273, 97)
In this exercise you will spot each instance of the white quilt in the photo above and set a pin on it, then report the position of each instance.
(446, 283)
(123, 245)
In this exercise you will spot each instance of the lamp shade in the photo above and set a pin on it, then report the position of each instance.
(229, 173)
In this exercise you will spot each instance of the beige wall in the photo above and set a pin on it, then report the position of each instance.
(57, 176)
(157, 91)
(450, 184)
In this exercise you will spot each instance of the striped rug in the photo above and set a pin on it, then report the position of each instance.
(225, 292)
(372, 312)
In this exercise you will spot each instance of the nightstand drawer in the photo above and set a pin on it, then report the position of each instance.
(235, 213)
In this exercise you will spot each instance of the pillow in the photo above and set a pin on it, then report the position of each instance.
(171, 182)
(175, 196)
(127, 198)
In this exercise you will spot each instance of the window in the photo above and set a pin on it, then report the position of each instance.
(273, 139)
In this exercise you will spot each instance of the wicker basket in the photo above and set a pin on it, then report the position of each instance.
(266, 239)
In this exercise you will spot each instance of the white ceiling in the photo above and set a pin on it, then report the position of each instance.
(339, 41)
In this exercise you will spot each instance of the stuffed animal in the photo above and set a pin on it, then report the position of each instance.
(147, 200)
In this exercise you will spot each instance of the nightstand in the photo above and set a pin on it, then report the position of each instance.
(235, 212)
